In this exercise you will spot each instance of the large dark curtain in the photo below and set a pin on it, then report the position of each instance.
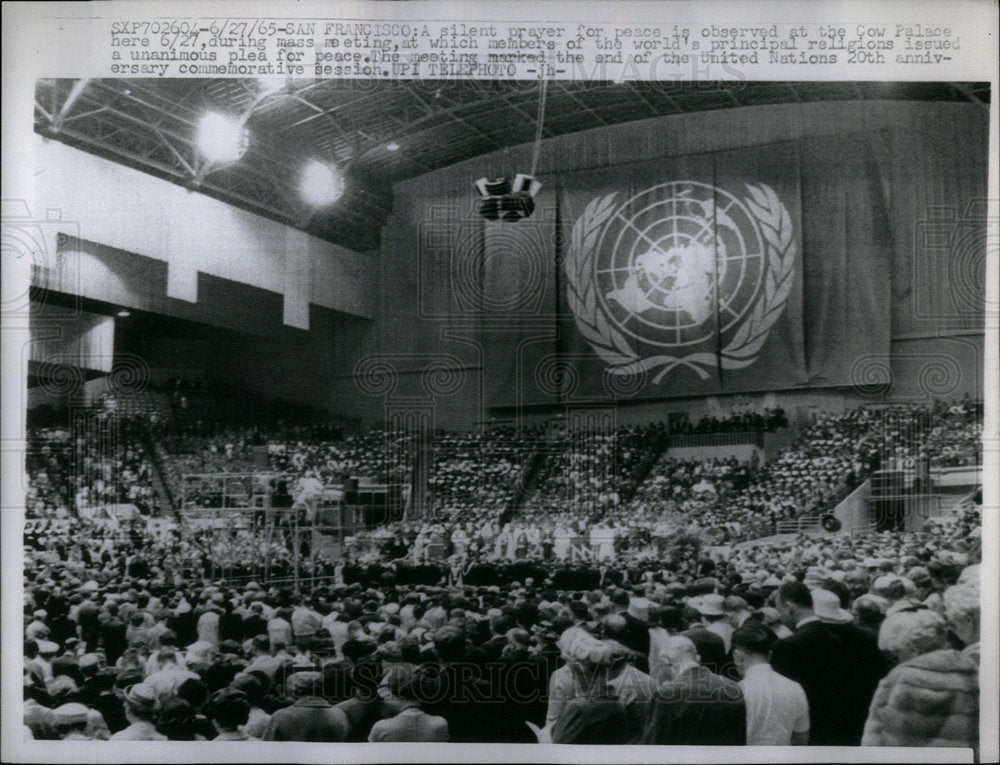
(760, 249)
(752, 269)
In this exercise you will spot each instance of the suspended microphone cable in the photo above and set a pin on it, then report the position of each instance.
(538, 128)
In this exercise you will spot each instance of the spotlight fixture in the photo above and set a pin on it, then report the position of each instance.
(503, 200)
(221, 138)
(321, 184)
(393, 146)
(124, 313)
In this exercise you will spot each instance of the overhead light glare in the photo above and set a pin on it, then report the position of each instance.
(321, 184)
(124, 313)
(392, 146)
(221, 138)
(271, 84)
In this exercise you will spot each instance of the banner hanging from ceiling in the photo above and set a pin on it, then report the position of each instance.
(752, 269)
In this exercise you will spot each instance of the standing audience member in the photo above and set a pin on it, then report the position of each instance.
(411, 723)
(777, 710)
(931, 697)
(695, 707)
(815, 658)
(230, 710)
(140, 711)
(311, 717)
(595, 714)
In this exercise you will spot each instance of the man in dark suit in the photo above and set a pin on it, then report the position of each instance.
(711, 648)
(868, 665)
(458, 693)
(695, 707)
(815, 658)
(499, 624)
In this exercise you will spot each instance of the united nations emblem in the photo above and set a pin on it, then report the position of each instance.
(672, 267)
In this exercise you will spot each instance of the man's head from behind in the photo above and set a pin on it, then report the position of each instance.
(752, 645)
(794, 603)
(677, 654)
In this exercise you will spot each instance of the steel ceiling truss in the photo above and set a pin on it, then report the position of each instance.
(151, 125)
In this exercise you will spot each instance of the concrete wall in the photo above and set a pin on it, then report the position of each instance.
(101, 201)
(852, 512)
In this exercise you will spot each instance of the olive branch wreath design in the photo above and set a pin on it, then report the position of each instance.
(741, 351)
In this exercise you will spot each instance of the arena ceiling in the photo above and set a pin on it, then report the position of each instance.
(150, 125)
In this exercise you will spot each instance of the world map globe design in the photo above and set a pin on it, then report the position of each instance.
(678, 263)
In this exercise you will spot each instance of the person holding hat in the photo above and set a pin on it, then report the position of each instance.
(637, 630)
(366, 706)
(632, 686)
(691, 705)
(594, 714)
(140, 711)
(777, 709)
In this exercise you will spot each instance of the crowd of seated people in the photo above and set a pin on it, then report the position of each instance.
(591, 469)
(827, 640)
(479, 469)
(740, 420)
(942, 436)
(290, 451)
(75, 472)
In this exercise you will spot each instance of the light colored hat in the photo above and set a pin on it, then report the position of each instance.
(877, 600)
(141, 696)
(826, 606)
(969, 574)
(886, 581)
(200, 652)
(61, 685)
(815, 575)
(709, 605)
(70, 714)
(47, 646)
(638, 608)
(578, 645)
